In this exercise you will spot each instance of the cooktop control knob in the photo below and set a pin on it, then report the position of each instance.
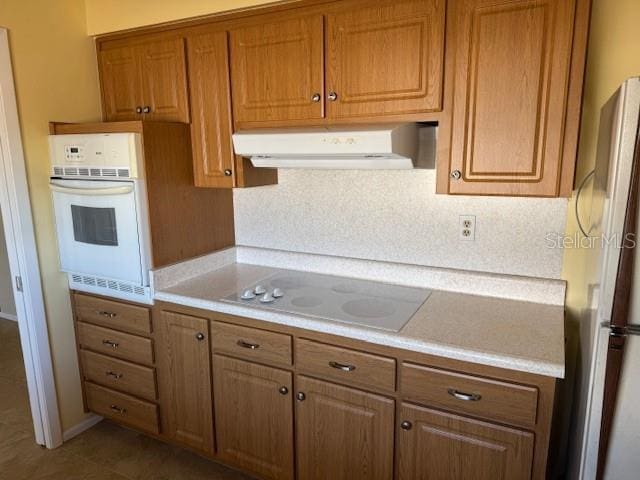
(248, 295)
(267, 298)
(277, 293)
(259, 290)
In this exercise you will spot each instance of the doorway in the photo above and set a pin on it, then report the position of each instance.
(30, 338)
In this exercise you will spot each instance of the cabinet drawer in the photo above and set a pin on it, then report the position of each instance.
(122, 408)
(346, 365)
(482, 397)
(251, 343)
(114, 343)
(107, 313)
(118, 374)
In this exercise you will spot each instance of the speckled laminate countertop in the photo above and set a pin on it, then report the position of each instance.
(506, 333)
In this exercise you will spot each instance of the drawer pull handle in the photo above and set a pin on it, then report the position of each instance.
(111, 344)
(199, 336)
(467, 397)
(117, 409)
(251, 346)
(342, 366)
(113, 374)
(106, 314)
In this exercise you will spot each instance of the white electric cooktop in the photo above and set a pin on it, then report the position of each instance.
(371, 304)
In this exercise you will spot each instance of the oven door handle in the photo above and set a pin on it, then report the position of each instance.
(94, 192)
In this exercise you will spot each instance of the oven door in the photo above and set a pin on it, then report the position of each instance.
(97, 227)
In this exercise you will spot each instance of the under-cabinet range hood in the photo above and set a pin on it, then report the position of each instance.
(381, 147)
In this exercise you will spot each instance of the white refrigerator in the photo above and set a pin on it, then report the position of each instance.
(609, 423)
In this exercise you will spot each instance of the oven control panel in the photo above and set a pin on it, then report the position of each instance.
(95, 155)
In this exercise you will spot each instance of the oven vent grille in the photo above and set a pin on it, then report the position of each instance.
(92, 172)
(108, 284)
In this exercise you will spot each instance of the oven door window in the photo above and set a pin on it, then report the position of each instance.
(94, 226)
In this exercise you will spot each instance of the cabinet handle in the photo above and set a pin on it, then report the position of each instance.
(467, 397)
(146, 109)
(342, 366)
(316, 97)
(456, 175)
(406, 425)
(138, 109)
(117, 409)
(227, 172)
(251, 346)
(113, 374)
(111, 344)
(300, 396)
(103, 313)
(332, 97)
(283, 390)
(199, 336)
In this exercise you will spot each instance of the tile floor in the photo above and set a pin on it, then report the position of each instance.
(104, 452)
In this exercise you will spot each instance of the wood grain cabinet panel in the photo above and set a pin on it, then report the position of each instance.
(164, 80)
(386, 58)
(342, 433)
(433, 445)
(114, 343)
(184, 379)
(147, 80)
(211, 129)
(254, 417)
(510, 77)
(122, 408)
(276, 69)
(120, 78)
(112, 314)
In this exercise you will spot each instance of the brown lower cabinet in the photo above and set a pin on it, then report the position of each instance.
(436, 445)
(342, 433)
(254, 417)
(184, 377)
(279, 415)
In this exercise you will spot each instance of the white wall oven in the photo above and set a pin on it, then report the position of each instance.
(101, 213)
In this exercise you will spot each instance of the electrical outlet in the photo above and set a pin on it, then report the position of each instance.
(467, 227)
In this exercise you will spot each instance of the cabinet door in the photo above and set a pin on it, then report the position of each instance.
(211, 128)
(386, 58)
(184, 379)
(512, 62)
(434, 445)
(277, 70)
(254, 417)
(164, 80)
(342, 433)
(120, 79)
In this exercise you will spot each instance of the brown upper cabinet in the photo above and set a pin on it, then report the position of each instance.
(502, 78)
(510, 75)
(277, 70)
(146, 80)
(385, 59)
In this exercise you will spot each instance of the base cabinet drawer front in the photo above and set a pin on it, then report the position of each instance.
(477, 396)
(254, 417)
(120, 375)
(346, 365)
(433, 445)
(342, 433)
(107, 313)
(122, 408)
(184, 379)
(115, 344)
(251, 343)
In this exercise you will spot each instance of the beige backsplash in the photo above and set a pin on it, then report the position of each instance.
(396, 216)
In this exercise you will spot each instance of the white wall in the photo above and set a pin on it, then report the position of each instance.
(396, 216)
(7, 304)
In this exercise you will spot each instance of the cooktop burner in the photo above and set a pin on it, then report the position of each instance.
(372, 304)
